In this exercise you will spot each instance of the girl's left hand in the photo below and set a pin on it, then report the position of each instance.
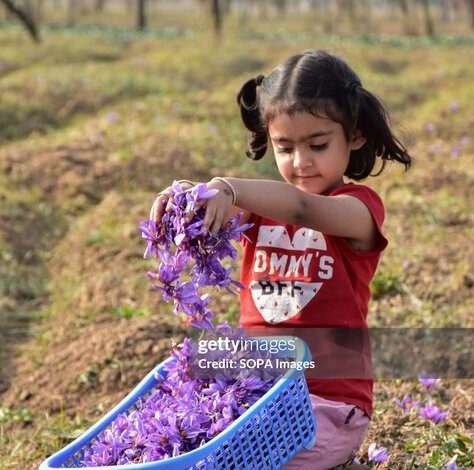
(218, 207)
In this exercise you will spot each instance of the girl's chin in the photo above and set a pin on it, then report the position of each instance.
(308, 185)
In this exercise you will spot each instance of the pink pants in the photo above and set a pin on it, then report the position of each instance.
(341, 428)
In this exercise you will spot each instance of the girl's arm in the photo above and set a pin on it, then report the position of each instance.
(343, 215)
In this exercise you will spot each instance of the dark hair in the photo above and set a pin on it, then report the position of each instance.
(321, 84)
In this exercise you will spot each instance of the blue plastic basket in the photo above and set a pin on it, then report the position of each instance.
(265, 437)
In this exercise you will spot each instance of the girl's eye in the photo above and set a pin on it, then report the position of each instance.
(286, 150)
(319, 147)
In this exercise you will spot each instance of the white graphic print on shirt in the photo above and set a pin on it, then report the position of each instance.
(279, 299)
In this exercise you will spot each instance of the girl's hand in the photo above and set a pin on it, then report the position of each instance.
(160, 205)
(218, 207)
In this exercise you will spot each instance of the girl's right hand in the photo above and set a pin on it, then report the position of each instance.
(160, 205)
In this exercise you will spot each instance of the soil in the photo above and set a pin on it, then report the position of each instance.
(91, 368)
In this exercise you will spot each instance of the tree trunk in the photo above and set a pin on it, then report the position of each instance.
(242, 8)
(71, 13)
(29, 8)
(99, 5)
(24, 17)
(366, 17)
(403, 4)
(281, 6)
(328, 16)
(39, 11)
(352, 14)
(217, 16)
(470, 4)
(446, 15)
(429, 28)
(263, 10)
(226, 7)
(141, 15)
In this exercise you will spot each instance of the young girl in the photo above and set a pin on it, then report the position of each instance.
(316, 240)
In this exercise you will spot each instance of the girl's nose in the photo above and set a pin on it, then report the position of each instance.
(302, 160)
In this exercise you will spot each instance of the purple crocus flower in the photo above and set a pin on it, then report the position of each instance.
(430, 127)
(433, 413)
(377, 454)
(428, 381)
(407, 403)
(454, 106)
(98, 456)
(451, 465)
(112, 117)
(198, 193)
(150, 234)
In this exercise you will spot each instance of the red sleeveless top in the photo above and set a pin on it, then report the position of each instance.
(295, 277)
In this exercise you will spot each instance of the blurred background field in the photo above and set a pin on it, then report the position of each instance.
(106, 110)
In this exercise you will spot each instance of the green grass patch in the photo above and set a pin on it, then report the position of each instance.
(125, 311)
(385, 283)
(23, 415)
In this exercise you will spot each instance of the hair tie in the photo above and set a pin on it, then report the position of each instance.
(351, 86)
(259, 79)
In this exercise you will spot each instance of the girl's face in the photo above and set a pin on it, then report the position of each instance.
(311, 152)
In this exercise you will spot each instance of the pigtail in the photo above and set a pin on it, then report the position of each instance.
(372, 121)
(247, 100)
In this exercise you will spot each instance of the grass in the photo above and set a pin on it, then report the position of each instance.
(94, 123)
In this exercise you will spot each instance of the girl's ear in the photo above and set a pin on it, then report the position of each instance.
(357, 141)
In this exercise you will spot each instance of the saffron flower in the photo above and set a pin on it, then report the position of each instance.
(451, 465)
(430, 127)
(407, 403)
(150, 234)
(433, 413)
(454, 106)
(112, 117)
(377, 454)
(428, 381)
(456, 151)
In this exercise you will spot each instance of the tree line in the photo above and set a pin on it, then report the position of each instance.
(30, 12)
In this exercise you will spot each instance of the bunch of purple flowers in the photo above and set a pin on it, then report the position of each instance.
(185, 411)
(180, 415)
(428, 410)
(191, 244)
